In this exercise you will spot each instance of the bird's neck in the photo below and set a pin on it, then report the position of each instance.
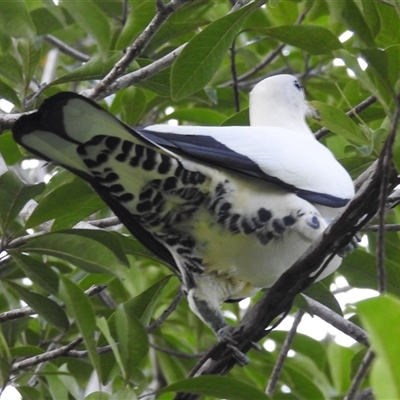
(290, 122)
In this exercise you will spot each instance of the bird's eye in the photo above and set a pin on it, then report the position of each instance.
(298, 84)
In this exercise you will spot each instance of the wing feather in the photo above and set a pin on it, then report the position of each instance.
(293, 161)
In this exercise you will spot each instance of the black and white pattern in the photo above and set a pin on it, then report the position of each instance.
(230, 208)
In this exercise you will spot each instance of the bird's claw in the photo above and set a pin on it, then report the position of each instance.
(240, 357)
(225, 335)
(353, 245)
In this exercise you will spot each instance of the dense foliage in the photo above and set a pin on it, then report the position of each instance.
(81, 301)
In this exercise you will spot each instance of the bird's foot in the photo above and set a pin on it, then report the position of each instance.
(225, 335)
(350, 247)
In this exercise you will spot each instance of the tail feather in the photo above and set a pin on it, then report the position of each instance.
(118, 162)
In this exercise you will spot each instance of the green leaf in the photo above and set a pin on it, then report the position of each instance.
(371, 16)
(96, 68)
(5, 42)
(311, 38)
(82, 251)
(239, 119)
(359, 268)
(377, 59)
(9, 94)
(15, 20)
(221, 387)
(26, 351)
(68, 204)
(30, 55)
(46, 308)
(380, 317)
(133, 105)
(142, 306)
(159, 83)
(92, 19)
(13, 196)
(356, 22)
(10, 68)
(28, 392)
(56, 385)
(363, 77)
(140, 16)
(45, 22)
(319, 292)
(105, 330)
(340, 362)
(38, 272)
(393, 60)
(133, 340)
(201, 57)
(80, 309)
(107, 239)
(9, 149)
(338, 122)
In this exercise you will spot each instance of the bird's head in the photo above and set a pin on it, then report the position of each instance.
(280, 101)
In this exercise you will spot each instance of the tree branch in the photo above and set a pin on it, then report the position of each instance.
(360, 375)
(387, 227)
(141, 42)
(8, 120)
(25, 311)
(175, 353)
(287, 344)
(167, 312)
(49, 355)
(135, 76)
(337, 321)
(66, 49)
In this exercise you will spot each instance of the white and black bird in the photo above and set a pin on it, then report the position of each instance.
(230, 208)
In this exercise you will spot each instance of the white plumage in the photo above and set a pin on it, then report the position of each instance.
(231, 208)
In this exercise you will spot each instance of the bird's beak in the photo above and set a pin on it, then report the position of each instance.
(312, 112)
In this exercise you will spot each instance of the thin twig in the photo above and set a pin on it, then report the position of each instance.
(125, 10)
(234, 77)
(337, 321)
(387, 227)
(360, 375)
(351, 113)
(287, 344)
(136, 76)
(49, 355)
(265, 61)
(21, 240)
(176, 353)
(132, 52)
(167, 312)
(26, 311)
(85, 353)
(66, 49)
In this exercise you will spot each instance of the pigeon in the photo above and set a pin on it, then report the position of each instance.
(229, 208)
